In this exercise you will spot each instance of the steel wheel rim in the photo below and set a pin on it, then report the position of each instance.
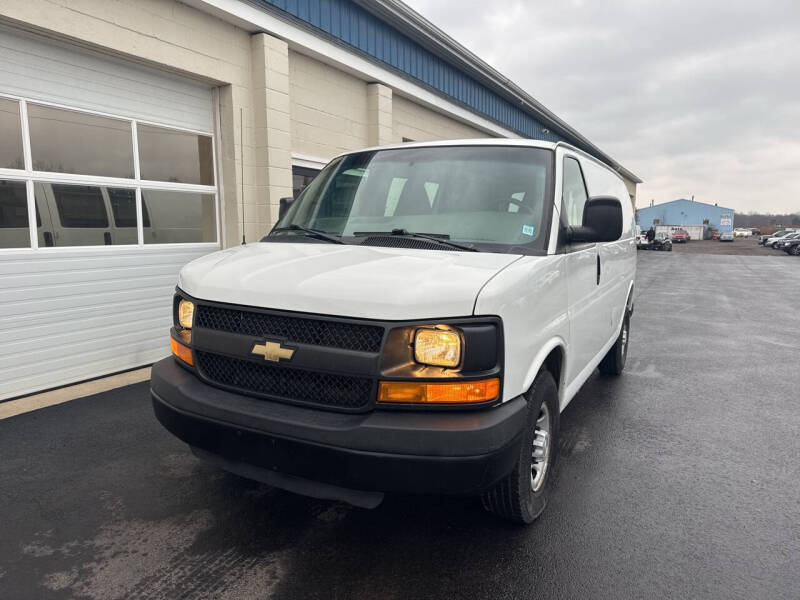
(540, 456)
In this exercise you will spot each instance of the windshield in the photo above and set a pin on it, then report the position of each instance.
(480, 195)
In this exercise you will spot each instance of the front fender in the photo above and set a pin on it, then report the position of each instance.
(539, 360)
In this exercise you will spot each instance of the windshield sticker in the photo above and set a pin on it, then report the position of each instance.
(528, 230)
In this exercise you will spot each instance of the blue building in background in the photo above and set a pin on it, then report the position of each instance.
(686, 213)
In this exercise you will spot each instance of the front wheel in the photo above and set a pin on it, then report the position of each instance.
(522, 495)
(614, 362)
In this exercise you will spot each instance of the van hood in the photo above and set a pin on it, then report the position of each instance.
(343, 280)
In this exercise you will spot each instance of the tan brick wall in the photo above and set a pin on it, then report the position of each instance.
(328, 108)
(422, 124)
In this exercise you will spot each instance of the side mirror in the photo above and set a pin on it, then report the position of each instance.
(602, 221)
(285, 205)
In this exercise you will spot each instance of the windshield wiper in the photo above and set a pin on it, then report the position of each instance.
(422, 236)
(316, 233)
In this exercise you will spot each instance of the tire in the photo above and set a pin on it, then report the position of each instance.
(522, 495)
(614, 362)
(670, 249)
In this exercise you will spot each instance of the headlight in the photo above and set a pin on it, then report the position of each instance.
(437, 347)
(185, 314)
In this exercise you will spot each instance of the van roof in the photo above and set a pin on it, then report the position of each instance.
(465, 142)
(515, 142)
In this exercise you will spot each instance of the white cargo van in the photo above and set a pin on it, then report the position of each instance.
(415, 322)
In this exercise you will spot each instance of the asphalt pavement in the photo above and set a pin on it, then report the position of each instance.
(677, 480)
(739, 246)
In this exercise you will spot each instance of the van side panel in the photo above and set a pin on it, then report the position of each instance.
(531, 296)
(617, 259)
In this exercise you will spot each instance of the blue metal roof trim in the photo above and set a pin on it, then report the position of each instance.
(365, 32)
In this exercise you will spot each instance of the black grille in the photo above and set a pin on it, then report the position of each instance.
(404, 242)
(348, 336)
(286, 383)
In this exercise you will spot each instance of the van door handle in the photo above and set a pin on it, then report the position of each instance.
(598, 269)
(107, 238)
(48, 239)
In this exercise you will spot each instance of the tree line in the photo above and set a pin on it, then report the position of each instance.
(755, 219)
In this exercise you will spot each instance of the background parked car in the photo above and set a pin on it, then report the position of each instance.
(774, 241)
(791, 247)
(660, 242)
(742, 232)
(763, 239)
(680, 235)
(784, 242)
(726, 236)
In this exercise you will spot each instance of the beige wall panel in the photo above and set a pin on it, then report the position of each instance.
(328, 108)
(415, 122)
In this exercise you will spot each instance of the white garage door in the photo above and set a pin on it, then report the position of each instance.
(107, 187)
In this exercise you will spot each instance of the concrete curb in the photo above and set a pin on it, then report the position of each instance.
(65, 394)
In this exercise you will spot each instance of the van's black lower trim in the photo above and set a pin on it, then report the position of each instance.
(430, 452)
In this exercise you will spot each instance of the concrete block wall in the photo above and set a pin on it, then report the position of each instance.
(328, 108)
(421, 124)
(272, 131)
(379, 114)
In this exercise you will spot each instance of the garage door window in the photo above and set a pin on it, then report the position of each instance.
(11, 156)
(181, 217)
(101, 179)
(178, 156)
(13, 215)
(65, 141)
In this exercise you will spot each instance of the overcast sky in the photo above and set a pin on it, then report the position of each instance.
(699, 97)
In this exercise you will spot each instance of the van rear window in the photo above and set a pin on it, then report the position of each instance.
(13, 204)
(80, 206)
(123, 207)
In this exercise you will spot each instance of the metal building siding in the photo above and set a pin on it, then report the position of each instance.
(685, 212)
(351, 24)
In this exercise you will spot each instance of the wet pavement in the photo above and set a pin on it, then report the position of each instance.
(679, 479)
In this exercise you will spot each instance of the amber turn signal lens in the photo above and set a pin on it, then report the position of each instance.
(450, 392)
(181, 351)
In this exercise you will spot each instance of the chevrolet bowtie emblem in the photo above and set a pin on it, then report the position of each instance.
(273, 351)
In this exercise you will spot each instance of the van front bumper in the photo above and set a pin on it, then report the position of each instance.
(429, 452)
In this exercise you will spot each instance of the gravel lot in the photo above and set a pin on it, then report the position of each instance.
(678, 479)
